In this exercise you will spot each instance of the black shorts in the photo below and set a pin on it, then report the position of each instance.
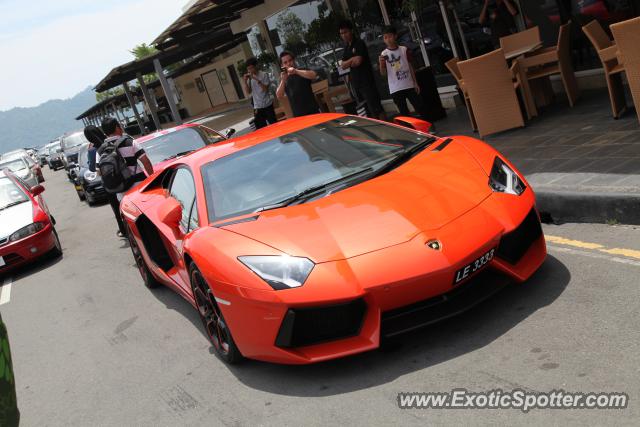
(369, 94)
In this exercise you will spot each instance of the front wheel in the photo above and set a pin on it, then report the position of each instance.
(214, 324)
(56, 252)
(149, 280)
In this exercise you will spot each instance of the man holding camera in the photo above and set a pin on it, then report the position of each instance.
(356, 59)
(295, 84)
(499, 15)
(257, 83)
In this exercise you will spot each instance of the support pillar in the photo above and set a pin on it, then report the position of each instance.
(168, 92)
(150, 102)
(385, 14)
(132, 103)
(447, 25)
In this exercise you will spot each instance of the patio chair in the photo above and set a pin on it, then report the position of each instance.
(607, 52)
(492, 95)
(552, 61)
(627, 35)
(452, 66)
(518, 41)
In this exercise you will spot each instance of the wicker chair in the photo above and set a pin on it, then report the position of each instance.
(518, 41)
(613, 70)
(627, 35)
(492, 95)
(554, 61)
(452, 66)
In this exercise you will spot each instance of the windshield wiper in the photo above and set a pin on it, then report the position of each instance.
(312, 191)
(184, 153)
(12, 204)
(404, 156)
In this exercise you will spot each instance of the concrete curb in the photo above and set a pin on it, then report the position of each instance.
(592, 207)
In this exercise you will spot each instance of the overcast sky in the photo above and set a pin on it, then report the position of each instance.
(53, 49)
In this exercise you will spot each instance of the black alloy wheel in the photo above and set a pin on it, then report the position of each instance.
(149, 280)
(212, 318)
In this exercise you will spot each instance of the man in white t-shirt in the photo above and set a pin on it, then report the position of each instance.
(257, 83)
(395, 63)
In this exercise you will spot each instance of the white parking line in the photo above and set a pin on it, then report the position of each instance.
(5, 291)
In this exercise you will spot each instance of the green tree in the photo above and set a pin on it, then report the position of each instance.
(101, 96)
(324, 30)
(292, 30)
(143, 50)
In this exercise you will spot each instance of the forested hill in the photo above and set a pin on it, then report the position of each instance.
(36, 126)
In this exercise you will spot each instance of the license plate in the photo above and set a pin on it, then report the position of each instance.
(2, 263)
(473, 267)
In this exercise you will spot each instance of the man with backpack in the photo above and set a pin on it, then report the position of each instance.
(118, 161)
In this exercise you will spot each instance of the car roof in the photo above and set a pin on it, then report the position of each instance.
(224, 148)
(162, 132)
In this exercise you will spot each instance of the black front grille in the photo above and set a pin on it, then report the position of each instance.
(306, 326)
(514, 245)
(426, 312)
(12, 259)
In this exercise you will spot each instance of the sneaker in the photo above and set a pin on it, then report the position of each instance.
(120, 233)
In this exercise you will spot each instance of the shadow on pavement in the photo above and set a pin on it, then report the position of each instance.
(412, 352)
(34, 267)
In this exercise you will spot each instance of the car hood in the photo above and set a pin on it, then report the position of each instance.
(431, 190)
(14, 218)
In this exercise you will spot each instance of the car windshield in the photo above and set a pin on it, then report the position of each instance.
(74, 140)
(10, 193)
(280, 168)
(167, 146)
(14, 165)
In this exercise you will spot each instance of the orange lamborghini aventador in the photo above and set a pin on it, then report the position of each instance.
(317, 237)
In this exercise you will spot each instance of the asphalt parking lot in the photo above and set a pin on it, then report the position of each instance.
(92, 346)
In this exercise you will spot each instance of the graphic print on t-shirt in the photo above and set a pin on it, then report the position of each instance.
(396, 65)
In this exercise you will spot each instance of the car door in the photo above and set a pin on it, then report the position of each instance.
(182, 188)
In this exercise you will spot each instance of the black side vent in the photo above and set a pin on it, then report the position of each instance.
(514, 245)
(306, 326)
(442, 146)
(153, 243)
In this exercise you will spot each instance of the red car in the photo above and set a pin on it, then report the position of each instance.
(26, 227)
(165, 145)
(316, 237)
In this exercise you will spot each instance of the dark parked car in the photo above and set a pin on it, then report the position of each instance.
(55, 156)
(88, 184)
(71, 145)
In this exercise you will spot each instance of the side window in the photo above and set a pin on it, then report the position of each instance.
(183, 190)
(212, 136)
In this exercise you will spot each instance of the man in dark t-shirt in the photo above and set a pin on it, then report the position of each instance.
(295, 84)
(500, 15)
(356, 58)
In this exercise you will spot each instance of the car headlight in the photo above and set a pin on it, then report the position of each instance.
(503, 179)
(90, 176)
(280, 271)
(26, 231)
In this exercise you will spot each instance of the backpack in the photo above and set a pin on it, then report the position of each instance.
(113, 167)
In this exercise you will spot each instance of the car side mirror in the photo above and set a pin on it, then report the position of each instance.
(36, 189)
(171, 213)
(230, 132)
(413, 123)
